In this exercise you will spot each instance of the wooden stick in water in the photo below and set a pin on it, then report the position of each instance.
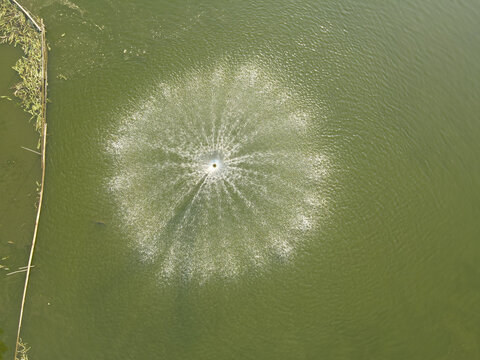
(25, 148)
(16, 272)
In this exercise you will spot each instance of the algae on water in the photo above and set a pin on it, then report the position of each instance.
(16, 29)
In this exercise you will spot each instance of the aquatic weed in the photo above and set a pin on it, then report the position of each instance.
(16, 29)
(22, 351)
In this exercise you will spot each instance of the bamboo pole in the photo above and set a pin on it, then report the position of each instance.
(34, 240)
(44, 144)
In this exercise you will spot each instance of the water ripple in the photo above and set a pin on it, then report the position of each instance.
(213, 175)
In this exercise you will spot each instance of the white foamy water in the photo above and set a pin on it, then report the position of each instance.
(214, 175)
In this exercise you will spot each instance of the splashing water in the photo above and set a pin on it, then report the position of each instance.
(213, 175)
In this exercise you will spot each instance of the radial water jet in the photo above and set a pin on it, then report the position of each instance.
(214, 175)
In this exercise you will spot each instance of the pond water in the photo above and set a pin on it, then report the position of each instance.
(340, 219)
(19, 171)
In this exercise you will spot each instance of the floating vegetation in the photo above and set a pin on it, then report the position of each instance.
(16, 29)
(22, 351)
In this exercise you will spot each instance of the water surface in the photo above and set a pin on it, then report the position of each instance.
(19, 171)
(388, 268)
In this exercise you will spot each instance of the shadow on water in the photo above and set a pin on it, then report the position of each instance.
(3, 347)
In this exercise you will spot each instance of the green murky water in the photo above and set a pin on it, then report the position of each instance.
(340, 220)
(19, 171)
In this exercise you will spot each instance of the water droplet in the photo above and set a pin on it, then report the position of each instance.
(212, 173)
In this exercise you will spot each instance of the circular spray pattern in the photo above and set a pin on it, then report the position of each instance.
(214, 175)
